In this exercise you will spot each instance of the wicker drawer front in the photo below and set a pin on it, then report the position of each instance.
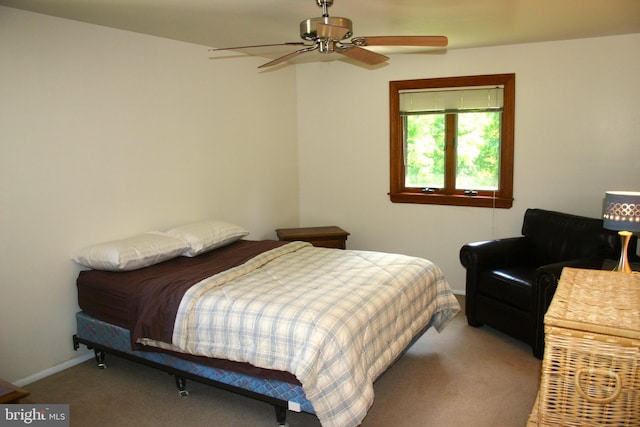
(589, 379)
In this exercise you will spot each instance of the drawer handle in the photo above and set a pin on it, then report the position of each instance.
(602, 372)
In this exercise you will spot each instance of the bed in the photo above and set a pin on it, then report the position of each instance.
(302, 328)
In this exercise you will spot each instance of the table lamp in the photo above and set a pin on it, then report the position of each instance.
(622, 213)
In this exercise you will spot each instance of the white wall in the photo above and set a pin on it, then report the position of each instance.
(107, 133)
(577, 134)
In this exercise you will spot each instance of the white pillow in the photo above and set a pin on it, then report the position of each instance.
(132, 253)
(206, 235)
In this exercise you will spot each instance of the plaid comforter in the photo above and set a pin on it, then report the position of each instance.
(336, 319)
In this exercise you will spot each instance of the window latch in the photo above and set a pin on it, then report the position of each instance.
(428, 190)
(470, 193)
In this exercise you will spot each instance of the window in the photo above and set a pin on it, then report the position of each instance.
(452, 140)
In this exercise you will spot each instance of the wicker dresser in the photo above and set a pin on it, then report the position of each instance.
(591, 365)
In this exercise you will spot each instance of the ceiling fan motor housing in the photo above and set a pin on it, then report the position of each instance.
(308, 30)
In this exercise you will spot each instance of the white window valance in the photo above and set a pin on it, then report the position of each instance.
(458, 99)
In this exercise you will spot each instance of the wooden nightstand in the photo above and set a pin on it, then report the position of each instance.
(10, 393)
(325, 237)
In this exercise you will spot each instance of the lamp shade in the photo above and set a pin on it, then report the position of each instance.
(622, 211)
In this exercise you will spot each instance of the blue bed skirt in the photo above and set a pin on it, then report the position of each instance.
(111, 337)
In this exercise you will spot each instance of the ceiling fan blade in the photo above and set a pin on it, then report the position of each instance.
(257, 45)
(334, 32)
(363, 55)
(287, 57)
(437, 41)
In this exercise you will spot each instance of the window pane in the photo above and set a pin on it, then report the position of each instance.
(424, 150)
(478, 151)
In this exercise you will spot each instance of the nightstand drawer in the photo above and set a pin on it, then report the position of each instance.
(326, 237)
(9, 393)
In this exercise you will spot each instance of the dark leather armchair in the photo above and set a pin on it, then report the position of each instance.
(511, 281)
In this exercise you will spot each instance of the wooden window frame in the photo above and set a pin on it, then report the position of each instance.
(399, 193)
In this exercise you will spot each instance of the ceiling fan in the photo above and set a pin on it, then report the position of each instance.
(327, 34)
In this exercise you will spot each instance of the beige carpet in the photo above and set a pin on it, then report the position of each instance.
(462, 377)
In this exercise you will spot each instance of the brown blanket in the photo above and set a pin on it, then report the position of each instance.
(146, 300)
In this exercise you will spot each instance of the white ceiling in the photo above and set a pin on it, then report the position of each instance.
(467, 23)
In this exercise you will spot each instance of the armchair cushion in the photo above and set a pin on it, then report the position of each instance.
(509, 285)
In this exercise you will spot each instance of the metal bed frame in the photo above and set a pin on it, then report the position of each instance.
(103, 338)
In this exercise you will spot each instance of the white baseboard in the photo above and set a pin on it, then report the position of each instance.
(54, 370)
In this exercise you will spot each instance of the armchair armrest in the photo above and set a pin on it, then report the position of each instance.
(544, 287)
(492, 254)
(488, 255)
